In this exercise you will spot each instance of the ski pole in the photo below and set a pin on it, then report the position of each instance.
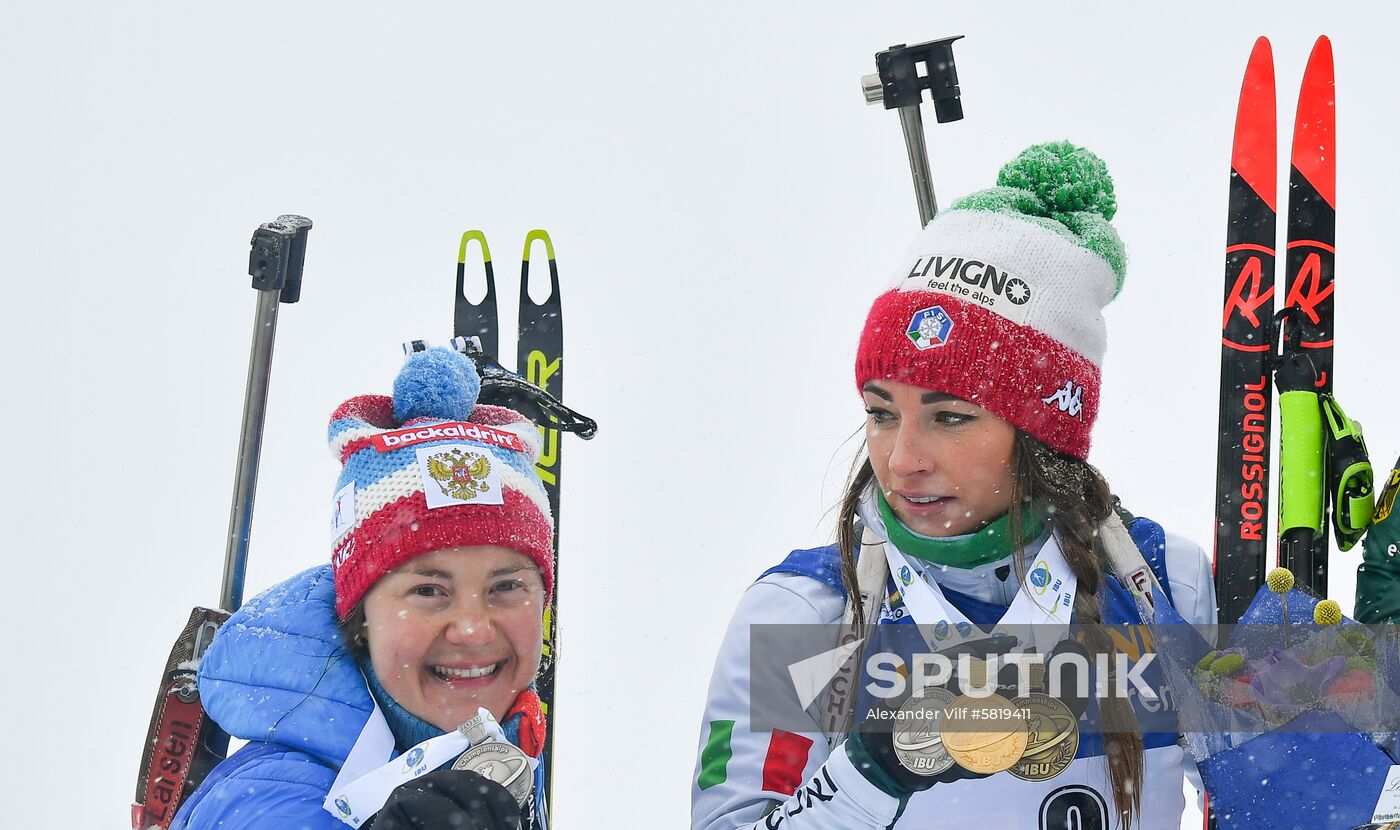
(1302, 488)
(898, 84)
(275, 264)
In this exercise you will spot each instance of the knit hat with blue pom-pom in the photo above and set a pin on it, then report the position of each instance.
(428, 469)
(1000, 299)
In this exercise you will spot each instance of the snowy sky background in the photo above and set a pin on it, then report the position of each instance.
(724, 206)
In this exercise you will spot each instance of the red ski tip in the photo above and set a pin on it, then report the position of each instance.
(1253, 156)
(1315, 128)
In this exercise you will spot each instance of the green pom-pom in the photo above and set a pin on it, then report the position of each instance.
(1064, 189)
(1227, 664)
(1068, 179)
(1204, 662)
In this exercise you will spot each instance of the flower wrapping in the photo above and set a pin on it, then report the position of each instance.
(1292, 724)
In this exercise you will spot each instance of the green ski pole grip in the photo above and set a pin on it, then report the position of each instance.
(1301, 488)
(1360, 508)
(1350, 479)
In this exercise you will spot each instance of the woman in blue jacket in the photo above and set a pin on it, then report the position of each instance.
(393, 687)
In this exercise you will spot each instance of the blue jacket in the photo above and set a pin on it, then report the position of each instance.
(278, 676)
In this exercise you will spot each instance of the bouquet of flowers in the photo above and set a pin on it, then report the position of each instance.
(1293, 723)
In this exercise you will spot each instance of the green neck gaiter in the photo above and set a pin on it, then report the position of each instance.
(989, 544)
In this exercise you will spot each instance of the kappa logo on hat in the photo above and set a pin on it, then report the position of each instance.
(459, 474)
(929, 328)
(1069, 398)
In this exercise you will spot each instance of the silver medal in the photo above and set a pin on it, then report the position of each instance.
(918, 744)
(502, 762)
(474, 730)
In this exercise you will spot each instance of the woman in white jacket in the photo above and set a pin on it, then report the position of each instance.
(980, 374)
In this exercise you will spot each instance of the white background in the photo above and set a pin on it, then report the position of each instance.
(724, 206)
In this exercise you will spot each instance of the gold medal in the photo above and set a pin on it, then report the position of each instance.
(985, 735)
(1053, 738)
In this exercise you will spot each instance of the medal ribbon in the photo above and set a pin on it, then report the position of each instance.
(1046, 597)
(365, 780)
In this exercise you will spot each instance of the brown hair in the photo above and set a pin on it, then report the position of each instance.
(1075, 500)
(353, 631)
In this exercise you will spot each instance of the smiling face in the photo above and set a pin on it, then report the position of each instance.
(455, 629)
(943, 464)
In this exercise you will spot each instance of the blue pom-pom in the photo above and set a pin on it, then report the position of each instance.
(437, 383)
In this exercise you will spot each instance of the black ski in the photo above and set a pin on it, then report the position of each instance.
(539, 357)
(1307, 343)
(539, 362)
(1246, 398)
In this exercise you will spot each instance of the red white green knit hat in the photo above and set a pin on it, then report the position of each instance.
(428, 469)
(1000, 299)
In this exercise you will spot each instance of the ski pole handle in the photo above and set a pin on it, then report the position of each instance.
(1302, 488)
(275, 264)
(1300, 434)
(279, 252)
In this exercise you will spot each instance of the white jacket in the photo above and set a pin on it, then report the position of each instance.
(832, 794)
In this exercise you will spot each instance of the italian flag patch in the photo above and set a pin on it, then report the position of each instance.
(782, 766)
(714, 758)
